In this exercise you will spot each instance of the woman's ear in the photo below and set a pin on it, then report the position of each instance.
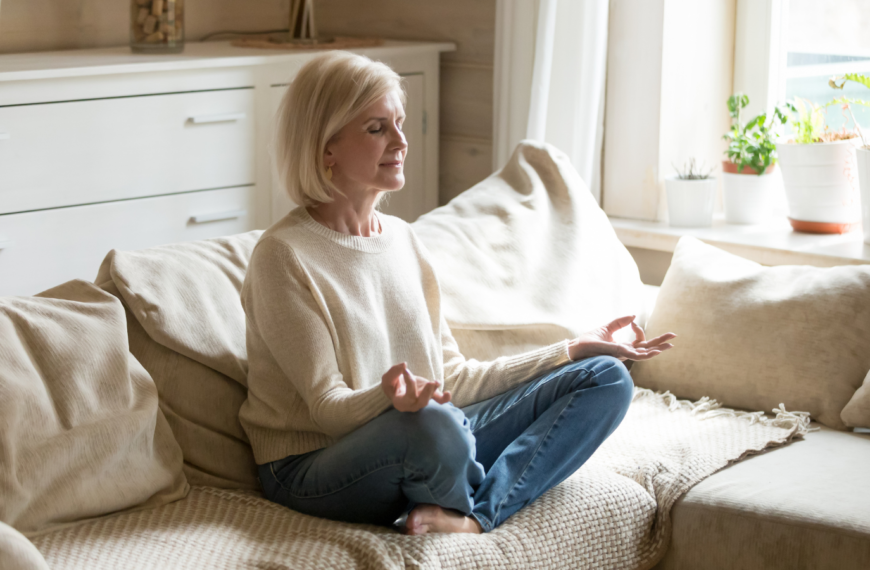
(328, 158)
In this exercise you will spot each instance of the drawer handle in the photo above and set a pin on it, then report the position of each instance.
(219, 118)
(218, 216)
(4, 243)
(5, 136)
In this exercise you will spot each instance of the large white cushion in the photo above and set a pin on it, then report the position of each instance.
(81, 434)
(18, 553)
(526, 258)
(857, 411)
(753, 337)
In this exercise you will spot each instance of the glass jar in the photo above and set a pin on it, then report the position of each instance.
(157, 26)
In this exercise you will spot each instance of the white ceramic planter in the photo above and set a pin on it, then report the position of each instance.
(749, 198)
(821, 182)
(863, 159)
(690, 202)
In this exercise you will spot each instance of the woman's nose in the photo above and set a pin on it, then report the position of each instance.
(399, 141)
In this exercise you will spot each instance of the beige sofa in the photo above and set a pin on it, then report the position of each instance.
(167, 323)
(804, 506)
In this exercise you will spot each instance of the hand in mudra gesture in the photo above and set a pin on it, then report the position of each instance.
(410, 393)
(600, 342)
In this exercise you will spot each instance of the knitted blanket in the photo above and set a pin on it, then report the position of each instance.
(614, 512)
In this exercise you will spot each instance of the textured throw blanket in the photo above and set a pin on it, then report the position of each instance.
(612, 513)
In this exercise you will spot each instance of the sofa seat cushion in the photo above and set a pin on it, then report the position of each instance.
(804, 506)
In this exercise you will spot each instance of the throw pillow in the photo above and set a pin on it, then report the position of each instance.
(18, 553)
(754, 337)
(187, 328)
(81, 434)
(526, 258)
(857, 411)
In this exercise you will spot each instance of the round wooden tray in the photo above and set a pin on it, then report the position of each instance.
(272, 42)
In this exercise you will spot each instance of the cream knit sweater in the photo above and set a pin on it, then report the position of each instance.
(328, 314)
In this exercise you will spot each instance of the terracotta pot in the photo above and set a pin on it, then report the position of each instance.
(749, 197)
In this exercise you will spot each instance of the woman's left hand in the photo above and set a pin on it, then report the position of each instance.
(600, 342)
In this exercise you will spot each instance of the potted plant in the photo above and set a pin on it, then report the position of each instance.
(691, 196)
(819, 172)
(748, 187)
(863, 153)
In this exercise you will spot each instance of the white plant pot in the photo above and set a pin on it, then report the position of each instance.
(749, 198)
(821, 182)
(863, 158)
(690, 202)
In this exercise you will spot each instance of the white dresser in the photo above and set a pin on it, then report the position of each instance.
(104, 149)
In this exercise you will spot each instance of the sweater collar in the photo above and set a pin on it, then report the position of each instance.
(374, 244)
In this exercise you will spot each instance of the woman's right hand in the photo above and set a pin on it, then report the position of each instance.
(410, 393)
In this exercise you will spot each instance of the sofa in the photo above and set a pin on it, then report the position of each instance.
(121, 446)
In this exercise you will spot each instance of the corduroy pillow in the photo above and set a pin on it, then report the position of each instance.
(753, 337)
(187, 327)
(81, 434)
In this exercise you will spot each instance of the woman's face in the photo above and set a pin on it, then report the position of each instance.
(368, 154)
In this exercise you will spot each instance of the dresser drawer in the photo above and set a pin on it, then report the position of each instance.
(43, 249)
(82, 152)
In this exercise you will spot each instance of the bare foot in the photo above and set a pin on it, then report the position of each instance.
(432, 518)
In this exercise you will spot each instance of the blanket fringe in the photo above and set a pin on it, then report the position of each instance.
(708, 408)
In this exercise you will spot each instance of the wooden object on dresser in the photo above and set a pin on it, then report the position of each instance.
(104, 149)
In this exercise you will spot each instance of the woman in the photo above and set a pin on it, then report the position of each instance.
(360, 406)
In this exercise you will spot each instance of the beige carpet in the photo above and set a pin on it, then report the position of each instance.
(612, 513)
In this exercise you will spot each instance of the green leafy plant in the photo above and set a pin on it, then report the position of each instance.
(847, 102)
(752, 145)
(808, 122)
(692, 171)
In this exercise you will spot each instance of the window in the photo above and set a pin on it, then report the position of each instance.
(825, 38)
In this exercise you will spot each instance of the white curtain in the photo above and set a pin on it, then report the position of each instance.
(550, 61)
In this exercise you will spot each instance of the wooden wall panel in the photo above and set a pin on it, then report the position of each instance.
(466, 99)
(465, 161)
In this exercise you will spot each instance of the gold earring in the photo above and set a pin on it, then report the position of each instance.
(329, 173)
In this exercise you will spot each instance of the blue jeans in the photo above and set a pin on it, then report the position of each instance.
(487, 460)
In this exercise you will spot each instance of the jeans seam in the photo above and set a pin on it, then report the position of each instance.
(526, 468)
(485, 523)
(343, 487)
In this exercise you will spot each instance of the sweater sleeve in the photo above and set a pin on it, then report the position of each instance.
(472, 381)
(291, 323)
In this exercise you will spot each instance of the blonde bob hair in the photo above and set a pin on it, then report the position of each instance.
(327, 93)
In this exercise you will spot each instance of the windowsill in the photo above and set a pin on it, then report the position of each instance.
(771, 243)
